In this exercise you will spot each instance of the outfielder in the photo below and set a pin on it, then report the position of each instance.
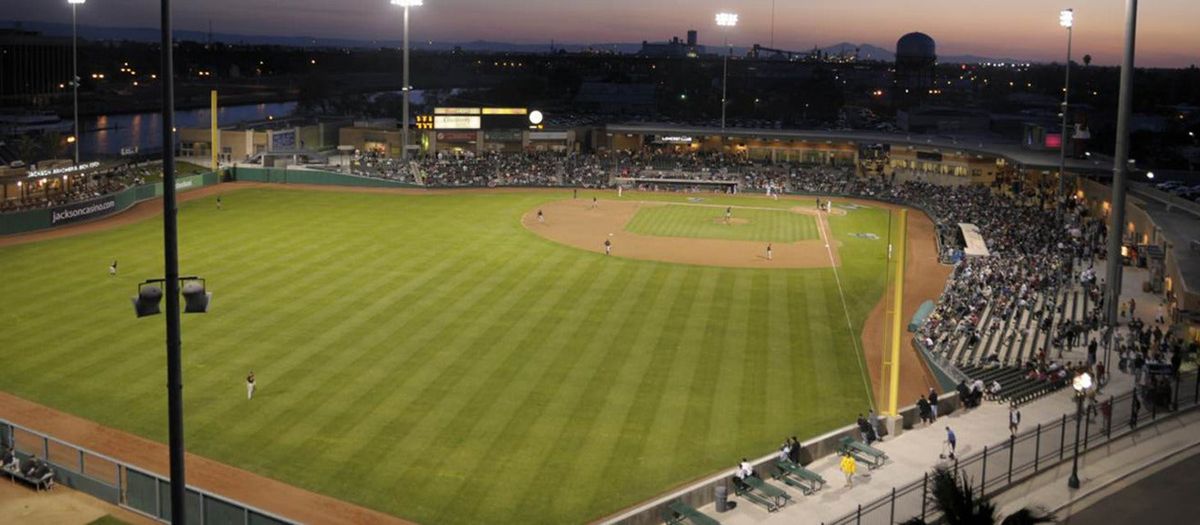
(112, 270)
(250, 385)
(728, 213)
(607, 247)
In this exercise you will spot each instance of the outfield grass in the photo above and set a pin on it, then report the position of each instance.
(708, 222)
(429, 357)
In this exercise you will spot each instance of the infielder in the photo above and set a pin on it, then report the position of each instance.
(728, 213)
(541, 218)
(768, 251)
(593, 202)
(607, 247)
(250, 385)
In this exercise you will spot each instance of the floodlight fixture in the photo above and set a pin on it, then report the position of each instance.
(1066, 17)
(727, 19)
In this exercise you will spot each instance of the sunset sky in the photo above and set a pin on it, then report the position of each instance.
(1026, 29)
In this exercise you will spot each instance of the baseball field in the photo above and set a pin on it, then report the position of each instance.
(438, 358)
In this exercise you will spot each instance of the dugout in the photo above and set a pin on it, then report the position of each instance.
(678, 184)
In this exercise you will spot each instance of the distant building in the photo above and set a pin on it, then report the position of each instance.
(916, 63)
(616, 98)
(674, 48)
(33, 67)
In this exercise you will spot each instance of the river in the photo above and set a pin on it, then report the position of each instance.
(144, 130)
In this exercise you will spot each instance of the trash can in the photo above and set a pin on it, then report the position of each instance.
(720, 497)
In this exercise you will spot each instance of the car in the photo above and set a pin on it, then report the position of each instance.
(1166, 186)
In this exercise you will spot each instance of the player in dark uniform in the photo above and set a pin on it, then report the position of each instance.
(218, 202)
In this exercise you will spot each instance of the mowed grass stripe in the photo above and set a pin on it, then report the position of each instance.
(389, 382)
(748, 224)
(499, 400)
(569, 411)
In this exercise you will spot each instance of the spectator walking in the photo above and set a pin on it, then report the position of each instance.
(951, 444)
(933, 405)
(849, 466)
(1014, 419)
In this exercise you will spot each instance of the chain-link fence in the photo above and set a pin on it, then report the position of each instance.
(122, 484)
(1004, 464)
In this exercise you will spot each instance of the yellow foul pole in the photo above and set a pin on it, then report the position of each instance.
(897, 312)
(216, 136)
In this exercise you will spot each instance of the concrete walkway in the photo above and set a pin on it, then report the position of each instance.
(912, 454)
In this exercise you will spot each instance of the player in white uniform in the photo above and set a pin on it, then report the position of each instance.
(112, 269)
(768, 251)
(250, 385)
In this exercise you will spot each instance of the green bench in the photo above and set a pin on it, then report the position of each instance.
(873, 457)
(797, 476)
(679, 512)
(762, 493)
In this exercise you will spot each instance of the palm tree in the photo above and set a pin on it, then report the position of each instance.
(960, 506)
(1087, 60)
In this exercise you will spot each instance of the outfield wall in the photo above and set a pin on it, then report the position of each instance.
(310, 176)
(92, 209)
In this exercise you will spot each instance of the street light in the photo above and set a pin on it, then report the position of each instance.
(75, 73)
(1082, 384)
(726, 21)
(1066, 18)
(406, 88)
(1150, 175)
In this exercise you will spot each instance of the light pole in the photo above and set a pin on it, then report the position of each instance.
(1082, 384)
(404, 114)
(75, 72)
(1116, 225)
(725, 21)
(1066, 18)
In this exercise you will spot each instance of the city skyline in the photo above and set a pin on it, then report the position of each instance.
(1020, 29)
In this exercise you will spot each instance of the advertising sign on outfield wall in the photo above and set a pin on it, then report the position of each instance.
(83, 211)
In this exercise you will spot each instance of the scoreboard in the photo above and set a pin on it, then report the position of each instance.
(474, 118)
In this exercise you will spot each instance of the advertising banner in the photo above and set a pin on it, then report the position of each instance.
(83, 211)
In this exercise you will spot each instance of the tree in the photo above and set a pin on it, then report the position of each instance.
(960, 506)
(1087, 60)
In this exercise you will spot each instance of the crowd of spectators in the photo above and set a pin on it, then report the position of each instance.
(53, 192)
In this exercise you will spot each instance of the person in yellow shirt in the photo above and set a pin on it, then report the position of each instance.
(848, 468)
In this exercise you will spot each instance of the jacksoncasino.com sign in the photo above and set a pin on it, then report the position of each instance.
(83, 211)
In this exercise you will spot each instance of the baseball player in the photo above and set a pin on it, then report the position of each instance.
(728, 213)
(112, 269)
(607, 247)
(593, 202)
(250, 385)
(218, 202)
(541, 218)
(620, 189)
(768, 251)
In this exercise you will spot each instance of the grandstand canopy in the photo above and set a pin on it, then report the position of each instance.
(973, 244)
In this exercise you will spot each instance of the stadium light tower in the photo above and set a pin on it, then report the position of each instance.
(725, 21)
(406, 88)
(1066, 18)
(1120, 170)
(75, 71)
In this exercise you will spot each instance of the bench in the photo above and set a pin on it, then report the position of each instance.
(873, 457)
(678, 512)
(46, 481)
(759, 492)
(797, 476)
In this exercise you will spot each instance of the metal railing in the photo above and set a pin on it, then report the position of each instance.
(1007, 463)
(125, 485)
